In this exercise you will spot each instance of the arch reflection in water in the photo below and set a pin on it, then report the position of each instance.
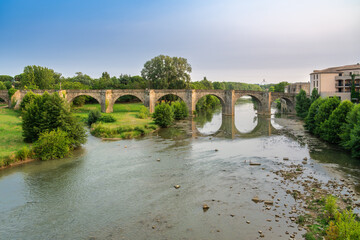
(246, 118)
(208, 122)
(229, 130)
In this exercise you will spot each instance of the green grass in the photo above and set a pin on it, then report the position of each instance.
(11, 139)
(126, 118)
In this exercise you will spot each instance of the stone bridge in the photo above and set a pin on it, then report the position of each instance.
(150, 97)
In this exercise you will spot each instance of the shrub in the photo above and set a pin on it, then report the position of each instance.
(53, 144)
(2, 86)
(79, 101)
(48, 113)
(94, 116)
(28, 99)
(164, 116)
(344, 226)
(330, 207)
(180, 110)
(324, 112)
(107, 118)
(310, 118)
(11, 92)
(23, 153)
(350, 138)
(302, 104)
(143, 112)
(314, 95)
(330, 128)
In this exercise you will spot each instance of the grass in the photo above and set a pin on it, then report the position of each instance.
(127, 123)
(11, 139)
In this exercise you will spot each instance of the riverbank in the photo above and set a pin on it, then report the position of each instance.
(127, 125)
(11, 140)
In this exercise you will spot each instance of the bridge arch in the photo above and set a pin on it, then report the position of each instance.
(71, 98)
(290, 104)
(116, 96)
(207, 93)
(4, 95)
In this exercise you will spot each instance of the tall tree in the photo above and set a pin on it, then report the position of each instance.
(302, 104)
(37, 77)
(314, 95)
(164, 72)
(280, 87)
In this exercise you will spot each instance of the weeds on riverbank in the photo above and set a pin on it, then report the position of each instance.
(329, 222)
(126, 132)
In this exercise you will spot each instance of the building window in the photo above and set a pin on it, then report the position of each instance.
(314, 83)
(317, 83)
(340, 74)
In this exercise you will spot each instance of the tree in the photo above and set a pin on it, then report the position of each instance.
(36, 77)
(2, 86)
(180, 110)
(28, 99)
(272, 89)
(310, 118)
(324, 112)
(51, 112)
(350, 136)
(302, 104)
(219, 85)
(163, 115)
(164, 72)
(354, 93)
(280, 87)
(330, 129)
(314, 95)
(6, 78)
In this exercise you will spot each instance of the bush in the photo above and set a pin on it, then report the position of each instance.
(344, 226)
(53, 144)
(324, 112)
(163, 116)
(350, 137)
(107, 118)
(79, 101)
(302, 104)
(330, 128)
(180, 110)
(93, 117)
(310, 118)
(48, 113)
(2, 86)
(23, 154)
(28, 98)
(330, 207)
(143, 112)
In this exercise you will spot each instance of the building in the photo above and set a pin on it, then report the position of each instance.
(335, 81)
(296, 87)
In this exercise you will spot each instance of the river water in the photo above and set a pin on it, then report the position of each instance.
(125, 189)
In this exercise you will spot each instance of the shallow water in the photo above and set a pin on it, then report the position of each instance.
(118, 190)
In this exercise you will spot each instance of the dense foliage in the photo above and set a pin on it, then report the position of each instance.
(53, 144)
(28, 99)
(324, 112)
(302, 104)
(314, 95)
(51, 112)
(180, 110)
(164, 72)
(2, 86)
(329, 130)
(93, 117)
(335, 122)
(143, 112)
(163, 115)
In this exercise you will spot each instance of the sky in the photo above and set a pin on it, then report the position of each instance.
(224, 40)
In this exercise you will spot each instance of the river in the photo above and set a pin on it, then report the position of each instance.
(125, 189)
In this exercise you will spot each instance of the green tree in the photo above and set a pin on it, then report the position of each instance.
(272, 89)
(354, 93)
(350, 136)
(219, 85)
(314, 95)
(163, 115)
(51, 112)
(330, 129)
(180, 110)
(6, 78)
(2, 86)
(164, 72)
(28, 99)
(324, 112)
(280, 87)
(36, 77)
(302, 104)
(53, 144)
(310, 118)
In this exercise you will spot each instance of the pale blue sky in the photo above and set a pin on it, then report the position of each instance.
(226, 40)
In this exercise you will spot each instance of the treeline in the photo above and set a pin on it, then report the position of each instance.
(335, 121)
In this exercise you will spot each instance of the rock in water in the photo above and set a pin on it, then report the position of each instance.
(205, 207)
(177, 186)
